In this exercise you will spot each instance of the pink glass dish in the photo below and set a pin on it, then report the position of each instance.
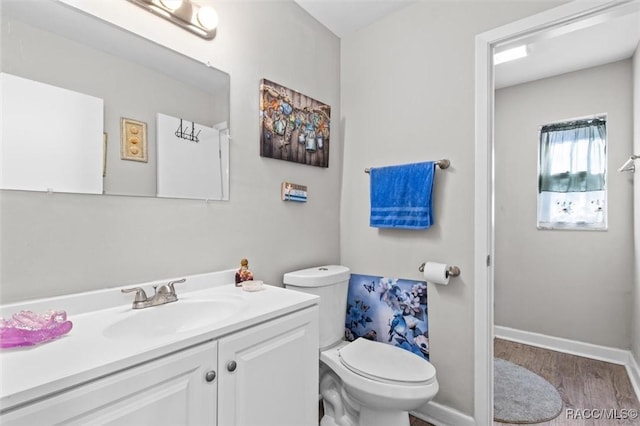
(27, 328)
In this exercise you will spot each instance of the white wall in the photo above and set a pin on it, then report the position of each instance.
(56, 244)
(408, 95)
(635, 332)
(570, 284)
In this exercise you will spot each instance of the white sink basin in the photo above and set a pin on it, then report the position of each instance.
(174, 317)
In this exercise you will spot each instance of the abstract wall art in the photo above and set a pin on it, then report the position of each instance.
(293, 126)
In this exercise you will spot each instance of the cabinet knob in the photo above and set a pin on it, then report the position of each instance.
(231, 366)
(210, 376)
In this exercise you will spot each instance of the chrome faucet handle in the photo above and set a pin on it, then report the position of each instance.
(170, 284)
(141, 296)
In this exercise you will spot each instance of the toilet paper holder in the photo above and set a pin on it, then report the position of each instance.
(453, 271)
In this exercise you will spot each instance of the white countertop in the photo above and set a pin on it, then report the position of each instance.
(85, 353)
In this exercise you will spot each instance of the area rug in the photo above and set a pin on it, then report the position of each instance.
(521, 396)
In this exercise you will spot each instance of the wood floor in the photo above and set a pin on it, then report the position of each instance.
(414, 421)
(583, 383)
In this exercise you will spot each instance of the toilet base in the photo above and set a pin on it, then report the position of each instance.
(342, 410)
(370, 417)
(339, 409)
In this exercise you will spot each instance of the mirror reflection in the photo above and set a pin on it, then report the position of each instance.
(88, 107)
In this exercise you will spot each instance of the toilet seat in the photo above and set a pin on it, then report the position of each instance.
(386, 363)
(371, 392)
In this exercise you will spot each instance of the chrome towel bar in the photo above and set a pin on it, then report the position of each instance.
(443, 164)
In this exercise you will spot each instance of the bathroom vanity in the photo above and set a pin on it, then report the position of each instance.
(219, 355)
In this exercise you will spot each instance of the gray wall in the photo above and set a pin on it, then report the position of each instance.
(57, 244)
(408, 95)
(635, 336)
(571, 284)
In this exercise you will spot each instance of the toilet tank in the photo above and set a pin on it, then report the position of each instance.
(331, 283)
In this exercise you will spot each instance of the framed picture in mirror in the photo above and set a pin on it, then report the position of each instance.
(133, 142)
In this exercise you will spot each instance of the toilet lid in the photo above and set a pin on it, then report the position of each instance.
(379, 361)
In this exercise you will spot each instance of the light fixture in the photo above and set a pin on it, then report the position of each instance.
(171, 4)
(200, 20)
(207, 17)
(510, 54)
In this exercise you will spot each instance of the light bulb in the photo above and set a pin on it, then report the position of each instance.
(207, 17)
(171, 4)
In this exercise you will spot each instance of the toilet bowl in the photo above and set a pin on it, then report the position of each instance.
(362, 383)
(379, 384)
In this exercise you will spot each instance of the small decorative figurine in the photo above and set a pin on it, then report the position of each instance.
(243, 274)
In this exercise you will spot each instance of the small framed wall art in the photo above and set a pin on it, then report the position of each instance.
(293, 126)
(133, 141)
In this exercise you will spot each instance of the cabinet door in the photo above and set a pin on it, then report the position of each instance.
(269, 373)
(173, 390)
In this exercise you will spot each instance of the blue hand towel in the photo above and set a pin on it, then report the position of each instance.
(401, 196)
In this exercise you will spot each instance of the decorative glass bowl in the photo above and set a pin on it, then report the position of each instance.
(252, 285)
(28, 328)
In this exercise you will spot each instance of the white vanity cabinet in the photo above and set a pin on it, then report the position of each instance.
(257, 366)
(177, 389)
(264, 374)
(268, 374)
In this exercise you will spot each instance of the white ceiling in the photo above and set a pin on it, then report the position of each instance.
(598, 44)
(344, 17)
(574, 49)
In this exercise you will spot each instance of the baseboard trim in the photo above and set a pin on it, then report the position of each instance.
(441, 415)
(574, 347)
(633, 370)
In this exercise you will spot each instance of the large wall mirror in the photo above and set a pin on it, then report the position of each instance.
(88, 107)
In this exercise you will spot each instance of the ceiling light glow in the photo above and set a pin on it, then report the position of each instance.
(510, 55)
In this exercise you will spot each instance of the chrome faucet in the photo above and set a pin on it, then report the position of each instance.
(165, 294)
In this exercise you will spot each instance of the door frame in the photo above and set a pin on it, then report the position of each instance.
(546, 24)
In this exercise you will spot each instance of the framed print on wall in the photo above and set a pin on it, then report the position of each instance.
(293, 126)
(388, 310)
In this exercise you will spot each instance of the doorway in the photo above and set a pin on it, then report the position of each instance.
(544, 25)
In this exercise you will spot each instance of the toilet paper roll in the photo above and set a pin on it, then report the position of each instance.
(437, 273)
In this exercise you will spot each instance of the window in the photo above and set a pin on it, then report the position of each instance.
(572, 175)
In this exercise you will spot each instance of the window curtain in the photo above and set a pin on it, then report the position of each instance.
(572, 173)
(572, 156)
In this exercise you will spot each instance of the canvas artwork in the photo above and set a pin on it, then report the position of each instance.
(293, 126)
(388, 310)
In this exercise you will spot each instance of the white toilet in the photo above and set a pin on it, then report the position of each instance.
(362, 383)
